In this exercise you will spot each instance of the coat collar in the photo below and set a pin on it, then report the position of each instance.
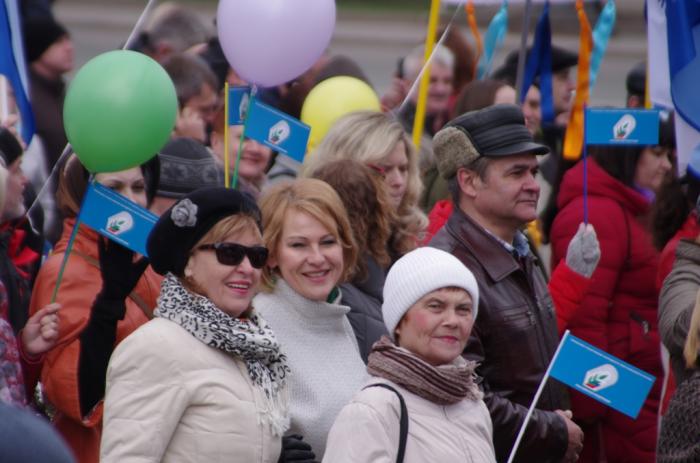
(491, 254)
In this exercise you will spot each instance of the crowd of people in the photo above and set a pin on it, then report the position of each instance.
(379, 302)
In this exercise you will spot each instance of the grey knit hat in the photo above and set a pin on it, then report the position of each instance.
(418, 273)
(186, 165)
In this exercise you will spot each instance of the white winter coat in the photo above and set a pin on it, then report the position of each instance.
(367, 430)
(172, 398)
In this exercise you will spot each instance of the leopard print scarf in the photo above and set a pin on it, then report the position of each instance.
(249, 339)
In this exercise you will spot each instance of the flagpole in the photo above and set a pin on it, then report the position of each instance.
(523, 48)
(69, 246)
(419, 117)
(536, 398)
(226, 122)
(585, 165)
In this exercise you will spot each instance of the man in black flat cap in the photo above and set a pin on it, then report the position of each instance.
(489, 160)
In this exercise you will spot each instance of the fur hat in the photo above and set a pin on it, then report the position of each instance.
(494, 131)
(418, 273)
(187, 221)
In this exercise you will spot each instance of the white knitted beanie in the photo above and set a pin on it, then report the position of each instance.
(418, 273)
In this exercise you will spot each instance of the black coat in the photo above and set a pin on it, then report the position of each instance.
(365, 301)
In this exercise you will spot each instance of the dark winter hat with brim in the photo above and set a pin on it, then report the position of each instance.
(495, 131)
(187, 221)
(39, 35)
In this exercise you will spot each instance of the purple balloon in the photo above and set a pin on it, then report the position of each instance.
(270, 42)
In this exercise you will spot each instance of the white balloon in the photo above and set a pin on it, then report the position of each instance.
(270, 42)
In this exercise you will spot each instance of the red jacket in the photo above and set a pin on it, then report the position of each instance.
(80, 284)
(619, 313)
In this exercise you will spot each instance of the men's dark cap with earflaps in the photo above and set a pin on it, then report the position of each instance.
(495, 131)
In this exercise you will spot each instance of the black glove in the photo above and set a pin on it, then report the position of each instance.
(119, 277)
(295, 449)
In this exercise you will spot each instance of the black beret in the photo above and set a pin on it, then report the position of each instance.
(39, 35)
(187, 221)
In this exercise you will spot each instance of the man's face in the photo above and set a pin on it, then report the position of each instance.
(562, 90)
(14, 207)
(532, 109)
(439, 90)
(507, 195)
(59, 57)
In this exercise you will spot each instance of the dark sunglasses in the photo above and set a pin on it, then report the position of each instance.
(233, 253)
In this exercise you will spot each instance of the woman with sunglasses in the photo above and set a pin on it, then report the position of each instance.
(312, 251)
(205, 379)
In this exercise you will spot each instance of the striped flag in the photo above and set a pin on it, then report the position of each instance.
(13, 66)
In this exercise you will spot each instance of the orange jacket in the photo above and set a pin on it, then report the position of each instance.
(80, 285)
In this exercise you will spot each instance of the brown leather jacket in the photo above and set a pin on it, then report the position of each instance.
(513, 339)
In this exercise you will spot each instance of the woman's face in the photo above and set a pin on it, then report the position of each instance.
(230, 288)
(436, 328)
(128, 183)
(652, 167)
(254, 156)
(309, 256)
(395, 170)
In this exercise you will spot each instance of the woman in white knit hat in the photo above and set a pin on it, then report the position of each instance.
(422, 402)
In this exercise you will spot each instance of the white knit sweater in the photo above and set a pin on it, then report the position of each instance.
(322, 352)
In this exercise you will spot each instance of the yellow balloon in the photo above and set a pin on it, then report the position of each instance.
(333, 98)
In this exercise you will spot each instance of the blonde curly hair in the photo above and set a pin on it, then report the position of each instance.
(369, 137)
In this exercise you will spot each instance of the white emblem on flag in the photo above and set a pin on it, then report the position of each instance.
(624, 127)
(601, 377)
(279, 133)
(120, 223)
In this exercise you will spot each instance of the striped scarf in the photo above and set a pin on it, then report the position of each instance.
(442, 385)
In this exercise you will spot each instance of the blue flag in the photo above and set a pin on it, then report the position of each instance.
(115, 217)
(13, 65)
(539, 63)
(683, 24)
(622, 126)
(601, 376)
(277, 130)
(238, 101)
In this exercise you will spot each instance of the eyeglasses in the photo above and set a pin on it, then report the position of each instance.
(233, 253)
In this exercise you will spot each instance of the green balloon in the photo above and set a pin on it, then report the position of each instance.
(119, 111)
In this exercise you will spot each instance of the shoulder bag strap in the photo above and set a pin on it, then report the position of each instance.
(403, 420)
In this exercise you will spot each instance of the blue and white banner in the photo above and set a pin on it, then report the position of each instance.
(13, 65)
(601, 376)
(622, 126)
(238, 102)
(115, 217)
(277, 130)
